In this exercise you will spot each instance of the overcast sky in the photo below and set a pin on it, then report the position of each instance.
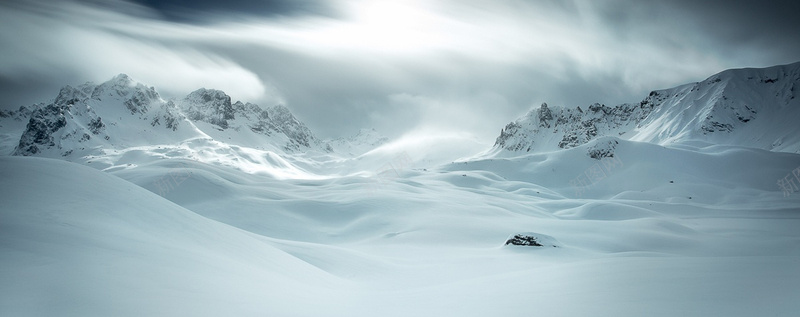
(462, 66)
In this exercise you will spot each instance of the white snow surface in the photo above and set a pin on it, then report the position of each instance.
(718, 240)
(183, 222)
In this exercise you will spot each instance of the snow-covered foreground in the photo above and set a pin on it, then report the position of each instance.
(662, 231)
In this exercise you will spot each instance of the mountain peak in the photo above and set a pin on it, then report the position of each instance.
(204, 95)
(122, 79)
(120, 84)
(209, 105)
(89, 117)
(737, 106)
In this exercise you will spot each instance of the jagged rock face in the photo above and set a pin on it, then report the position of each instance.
(72, 118)
(209, 105)
(42, 125)
(137, 98)
(740, 107)
(512, 138)
(550, 128)
(545, 115)
(51, 125)
(122, 112)
(169, 115)
(215, 107)
(96, 125)
(284, 122)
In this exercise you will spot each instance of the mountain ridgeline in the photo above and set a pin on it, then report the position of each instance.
(756, 108)
(122, 113)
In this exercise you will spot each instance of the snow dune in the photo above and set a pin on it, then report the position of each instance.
(78, 241)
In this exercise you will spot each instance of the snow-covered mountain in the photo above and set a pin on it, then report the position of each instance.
(116, 114)
(248, 124)
(122, 113)
(747, 107)
(364, 141)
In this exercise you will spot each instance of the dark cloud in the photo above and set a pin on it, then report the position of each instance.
(741, 19)
(201, 11)
(19, 90)
(730, 28)
(769, 26)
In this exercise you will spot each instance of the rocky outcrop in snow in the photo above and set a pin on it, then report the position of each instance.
(603, 147)
(532, 239)
(42, 126)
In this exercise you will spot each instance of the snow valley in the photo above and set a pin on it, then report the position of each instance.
(118, 202)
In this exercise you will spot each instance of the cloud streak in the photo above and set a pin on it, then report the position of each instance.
(69, 41)
(452, 66)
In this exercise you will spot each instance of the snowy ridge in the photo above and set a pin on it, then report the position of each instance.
(122, 113)
(747, 107)
(551, 128)
(90, 117)
(247, 124)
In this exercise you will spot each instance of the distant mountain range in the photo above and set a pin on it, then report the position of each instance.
(122, 113)
(756, 108)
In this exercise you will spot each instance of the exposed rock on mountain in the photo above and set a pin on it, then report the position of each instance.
(209, 105)
(215, 107)
(736, 107)
(122, 113)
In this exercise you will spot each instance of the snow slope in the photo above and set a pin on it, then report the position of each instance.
(77, 241)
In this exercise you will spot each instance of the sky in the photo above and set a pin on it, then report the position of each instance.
(463, 67)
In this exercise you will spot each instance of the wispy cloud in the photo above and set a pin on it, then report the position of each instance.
(466, 66)
(90, 43)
